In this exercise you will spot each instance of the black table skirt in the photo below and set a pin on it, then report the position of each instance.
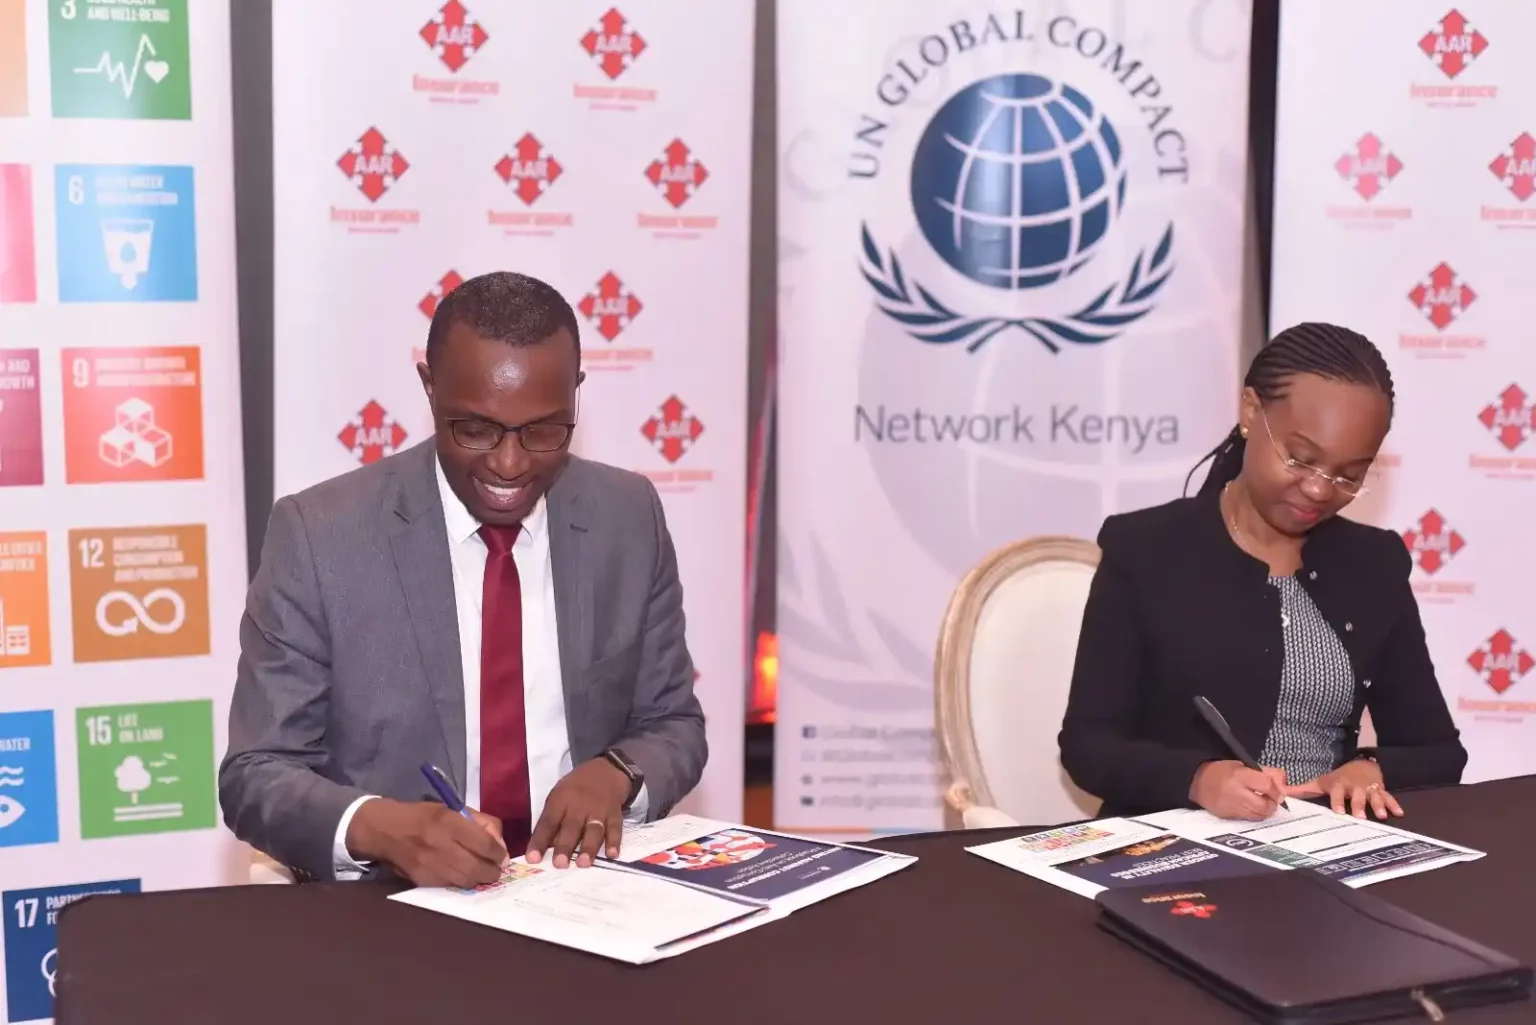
(951, 939)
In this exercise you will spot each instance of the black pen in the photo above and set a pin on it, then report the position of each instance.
(1219, 723)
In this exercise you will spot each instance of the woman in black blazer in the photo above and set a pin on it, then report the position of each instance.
(1257, 595)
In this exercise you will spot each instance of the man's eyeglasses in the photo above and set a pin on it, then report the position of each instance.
(483, 435)
(1353, 488)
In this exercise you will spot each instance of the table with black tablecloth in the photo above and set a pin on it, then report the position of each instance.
(952, 938)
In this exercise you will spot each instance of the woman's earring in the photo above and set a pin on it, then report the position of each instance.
(1243, 431)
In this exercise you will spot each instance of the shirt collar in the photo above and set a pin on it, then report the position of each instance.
(462, 524)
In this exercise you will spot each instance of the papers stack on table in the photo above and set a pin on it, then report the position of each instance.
(676, 885)
(1183, 846)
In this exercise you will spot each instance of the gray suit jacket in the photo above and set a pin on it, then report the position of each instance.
(350, 675)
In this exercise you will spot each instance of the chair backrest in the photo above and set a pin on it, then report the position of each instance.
(1002, 673)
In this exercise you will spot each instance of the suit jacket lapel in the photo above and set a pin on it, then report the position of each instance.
(419, 539)
(571, 565)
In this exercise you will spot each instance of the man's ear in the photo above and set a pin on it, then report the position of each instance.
(425, 373)
(581, 375)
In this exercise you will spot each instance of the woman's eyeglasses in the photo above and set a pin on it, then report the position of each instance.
(1352, 488)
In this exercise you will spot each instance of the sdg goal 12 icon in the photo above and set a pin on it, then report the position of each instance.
(117, 60)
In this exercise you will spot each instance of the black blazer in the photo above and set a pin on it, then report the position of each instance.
(1177, 609)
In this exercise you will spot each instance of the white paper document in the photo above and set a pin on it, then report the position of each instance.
(676, 885)
(1187, 846)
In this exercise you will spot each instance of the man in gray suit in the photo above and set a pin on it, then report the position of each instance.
(485, 603)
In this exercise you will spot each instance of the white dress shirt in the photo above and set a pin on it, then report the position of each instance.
(549, 749)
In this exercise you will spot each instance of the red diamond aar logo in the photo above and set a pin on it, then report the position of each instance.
(1190, 908)
(1453, 44)
(1500, 662)
(1442, 296)
(611, 307)
(1433, 543)
(673, 429)
(529, 169)
(372, 434)
(1369, 168)
(449, 282)
(373, 164)
(613, 44)
(1516, 167)
(454, 35)
(677, 174)
(1509, 418)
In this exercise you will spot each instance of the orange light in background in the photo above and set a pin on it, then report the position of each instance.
(765, 679)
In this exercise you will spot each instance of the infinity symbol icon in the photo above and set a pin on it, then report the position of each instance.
(50, 968)
(140, 612)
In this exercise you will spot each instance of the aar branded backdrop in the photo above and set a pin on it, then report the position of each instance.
(122, 543)
(601, 148)
(1010, 251)
(1405, 177)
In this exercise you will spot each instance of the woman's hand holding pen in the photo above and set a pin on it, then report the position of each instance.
(1231, 790)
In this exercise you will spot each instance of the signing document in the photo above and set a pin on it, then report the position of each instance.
(676, 885)
(1185, 846)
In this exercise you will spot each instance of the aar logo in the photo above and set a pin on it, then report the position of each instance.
(454, 35)
(613, 44)
(612, 306)
(1192, 910)
(1515, 168)
(439, 292)
(672, 429)
(1442, 296)
(1369, 168)
(1453, 44)
(1017, 182)
(1509, 418)
(1433, 543)
(372, 434)
(677, 175)
(529, 169)
(1501, 662)
(373, 164)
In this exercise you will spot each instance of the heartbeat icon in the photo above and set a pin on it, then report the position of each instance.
(117, 72)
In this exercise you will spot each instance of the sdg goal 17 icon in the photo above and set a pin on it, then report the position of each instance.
(117, 60)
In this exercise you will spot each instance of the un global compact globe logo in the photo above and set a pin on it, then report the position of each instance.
(1016, 181)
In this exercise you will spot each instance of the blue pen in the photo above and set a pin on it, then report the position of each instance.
(444, 788)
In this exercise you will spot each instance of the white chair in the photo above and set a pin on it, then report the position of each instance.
(1001, 677)
(265, 871)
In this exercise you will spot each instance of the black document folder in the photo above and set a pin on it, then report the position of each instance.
(1298, 947)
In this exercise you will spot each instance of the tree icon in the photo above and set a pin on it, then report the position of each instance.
(132, 777)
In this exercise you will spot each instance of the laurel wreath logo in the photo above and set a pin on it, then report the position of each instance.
(888, 676)
(929, 320)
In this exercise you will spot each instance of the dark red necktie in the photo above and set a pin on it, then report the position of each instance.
(503, 722)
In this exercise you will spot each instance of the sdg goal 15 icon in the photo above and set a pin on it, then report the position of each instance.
(116, 60)
(145, 768)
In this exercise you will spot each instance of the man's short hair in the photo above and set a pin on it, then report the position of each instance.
(507, 306)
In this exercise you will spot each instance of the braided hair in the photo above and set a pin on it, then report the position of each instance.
(1325, 350)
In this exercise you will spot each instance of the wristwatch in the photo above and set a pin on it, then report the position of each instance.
(619, 760)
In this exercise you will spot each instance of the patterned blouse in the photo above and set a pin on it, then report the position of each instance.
(1317, 690)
